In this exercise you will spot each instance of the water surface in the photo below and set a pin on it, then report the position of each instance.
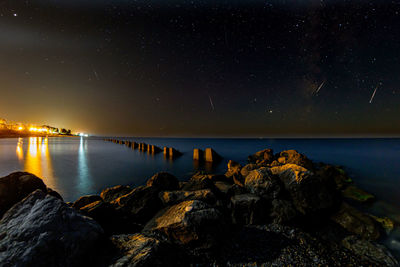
(81, 166)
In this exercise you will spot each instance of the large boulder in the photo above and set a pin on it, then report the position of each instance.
(85, 200)
(246, 169)
(163, 181)
(356, 222)
(336, 174)
(199, 176)
(53, 193)
(111, 220)
(264, 156)
(193, 223)
(227, 189)
(199, 182)
(41, 230)
(263, 183)
(174, 197)
(248, 209)
(140, 250)
(294, 157)
(112, 193)
(310, 193)
(370, 251)
(16, 186)
(142, 203)
(233, 171)
(298, 170)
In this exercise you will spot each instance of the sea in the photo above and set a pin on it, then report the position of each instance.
(77, 166)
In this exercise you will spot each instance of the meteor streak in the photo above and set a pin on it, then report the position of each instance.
(319, 88)
(211, 102)
(373, 94)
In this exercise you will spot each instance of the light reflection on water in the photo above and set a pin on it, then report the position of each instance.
(80, 166)
(36, 158)
(83, 170)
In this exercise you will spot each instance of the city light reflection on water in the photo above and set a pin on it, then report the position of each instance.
(80, 166)
(37, 159)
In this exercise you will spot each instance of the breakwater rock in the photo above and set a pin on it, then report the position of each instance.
(277, 210)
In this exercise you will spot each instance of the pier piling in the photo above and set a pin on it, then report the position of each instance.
(197, 154)
(211, 156)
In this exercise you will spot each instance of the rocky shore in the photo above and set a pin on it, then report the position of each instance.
(280, 209)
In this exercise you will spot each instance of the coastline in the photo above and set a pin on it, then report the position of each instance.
(27, 135)
(294, 211)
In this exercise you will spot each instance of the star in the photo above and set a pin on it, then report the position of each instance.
(15, 15)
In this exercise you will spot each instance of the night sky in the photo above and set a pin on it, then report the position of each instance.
(235, 68)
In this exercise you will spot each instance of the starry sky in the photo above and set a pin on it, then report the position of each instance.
(223, 68)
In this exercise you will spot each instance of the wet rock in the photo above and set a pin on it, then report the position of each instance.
(181, 184)
(226, 191)
(192, 223)
(140, 250)
(282, 211)
(233, 168)
(16, 186)
(163, 181)
(142, 203)
(335, 173)
(309, 193)
(229, 189)
(248, 209)
(370, 251)
(53, 193)
(41, 230)
(174, 197)
(112, 193)
(213, 177)
(85, 200)
(298, 170)
(357, 194)
(264, 156)
(233, 173)
(223, 187)
(385, 222)
(274, 163)
(356, 222)
(199, 182)
(294, 157)
(110, 219)
(247, 169)
(261, 182)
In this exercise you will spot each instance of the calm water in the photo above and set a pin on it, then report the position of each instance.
(80, 166)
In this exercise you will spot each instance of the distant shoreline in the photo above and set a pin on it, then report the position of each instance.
(22, 135)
